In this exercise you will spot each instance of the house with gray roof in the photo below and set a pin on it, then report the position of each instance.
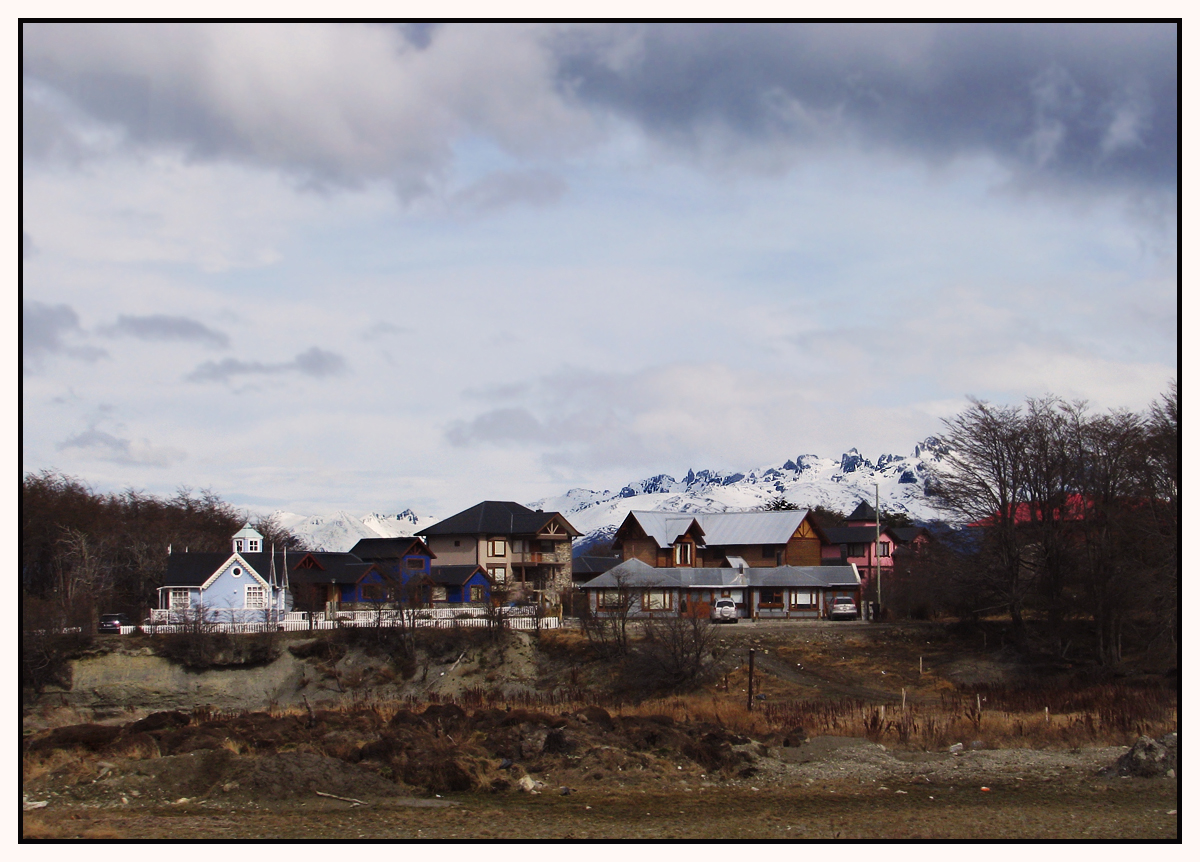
(755, 539)
(759, 592)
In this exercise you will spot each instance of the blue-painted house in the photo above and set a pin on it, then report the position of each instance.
(249, 584)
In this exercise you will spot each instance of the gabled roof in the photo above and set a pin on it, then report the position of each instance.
(905, 535)
(390, 549)
(590, 564)
(723, 528)
(863, 512)
(331, 568)
(455, 576)
(499, 518)
(856, 535)
(194, 570)
(634, 574)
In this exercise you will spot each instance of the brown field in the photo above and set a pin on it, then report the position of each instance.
(849, 740)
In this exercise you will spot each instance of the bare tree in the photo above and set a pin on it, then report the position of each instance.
(677, 650)
(607, 625)
(982, 481)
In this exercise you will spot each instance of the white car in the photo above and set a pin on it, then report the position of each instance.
(724, 611)
(843, 608)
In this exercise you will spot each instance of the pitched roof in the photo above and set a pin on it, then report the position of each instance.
(193, 570)
(856, 535)
(332, 567)
(636, 574)
(455, 576)
(390, 549)
(722, 528)
(496, 517)
(590, 564)
(907, 534)
(863, 512)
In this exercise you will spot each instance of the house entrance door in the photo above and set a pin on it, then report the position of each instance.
(703, 600)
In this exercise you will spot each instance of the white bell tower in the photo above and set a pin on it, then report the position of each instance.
(247, 540)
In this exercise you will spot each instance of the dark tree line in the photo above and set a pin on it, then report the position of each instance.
(84, 553)
(1073, 515)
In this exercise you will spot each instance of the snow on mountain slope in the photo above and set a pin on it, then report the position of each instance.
(835, 483)
(340, 531)
(839, 484)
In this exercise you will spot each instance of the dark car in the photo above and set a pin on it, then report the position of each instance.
(111, 623)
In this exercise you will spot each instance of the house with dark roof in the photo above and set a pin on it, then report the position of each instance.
(759, 592)
(527, 553)
(244, 585)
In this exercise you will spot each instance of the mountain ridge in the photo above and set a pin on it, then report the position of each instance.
(806, 480)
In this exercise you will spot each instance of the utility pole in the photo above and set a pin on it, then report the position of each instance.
(878, 579)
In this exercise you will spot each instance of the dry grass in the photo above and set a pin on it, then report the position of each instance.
(36, 828)
(72, 763)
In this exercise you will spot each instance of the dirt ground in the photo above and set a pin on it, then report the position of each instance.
(357, 767)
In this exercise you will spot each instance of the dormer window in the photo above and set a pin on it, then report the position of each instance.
(683, 554)
(253, 549)
(237, 545)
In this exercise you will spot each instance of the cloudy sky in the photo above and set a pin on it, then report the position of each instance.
(375, 267)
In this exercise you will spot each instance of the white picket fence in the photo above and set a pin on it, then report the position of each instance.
(519, 619)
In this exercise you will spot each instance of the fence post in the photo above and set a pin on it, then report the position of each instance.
(750, 685)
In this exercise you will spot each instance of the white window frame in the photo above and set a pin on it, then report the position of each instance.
(185, 605)
(256, 590)
(253, 549)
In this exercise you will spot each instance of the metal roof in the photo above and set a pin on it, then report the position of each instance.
(636, 574)
(723, 528)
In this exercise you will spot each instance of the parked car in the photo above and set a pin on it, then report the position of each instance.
(724, 611)
(843, 608)
(111, 623)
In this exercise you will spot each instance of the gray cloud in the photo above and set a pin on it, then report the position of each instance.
(45, 330)
(106, 447)
(500, 190)
(162, 327)
(313, 362)
(1084, 102)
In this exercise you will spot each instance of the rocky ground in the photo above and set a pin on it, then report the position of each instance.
(357, 766)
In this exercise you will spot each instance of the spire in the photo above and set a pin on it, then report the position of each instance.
(272, 568)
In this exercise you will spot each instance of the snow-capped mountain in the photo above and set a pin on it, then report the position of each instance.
(835, 483)
(340, 531)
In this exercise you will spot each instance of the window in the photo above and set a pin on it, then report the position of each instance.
(256, 597)
(457, 543)
(180, 600)
(546, 546)
(496, 547)
(657, 600)
(683, 554)
(856, 549)
(885, 549)
(373, 593)
(768, 552)
(499, 574)
(804, 599)
(237, 572)
(414, 562)
(253, 546)
(519, 546)
(237, 545)
(478, 594)
(610, 599)
(439, 594)
(770, 597)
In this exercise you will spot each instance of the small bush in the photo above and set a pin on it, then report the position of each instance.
(203, 650)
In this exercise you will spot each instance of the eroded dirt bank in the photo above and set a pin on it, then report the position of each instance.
(349, 740)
